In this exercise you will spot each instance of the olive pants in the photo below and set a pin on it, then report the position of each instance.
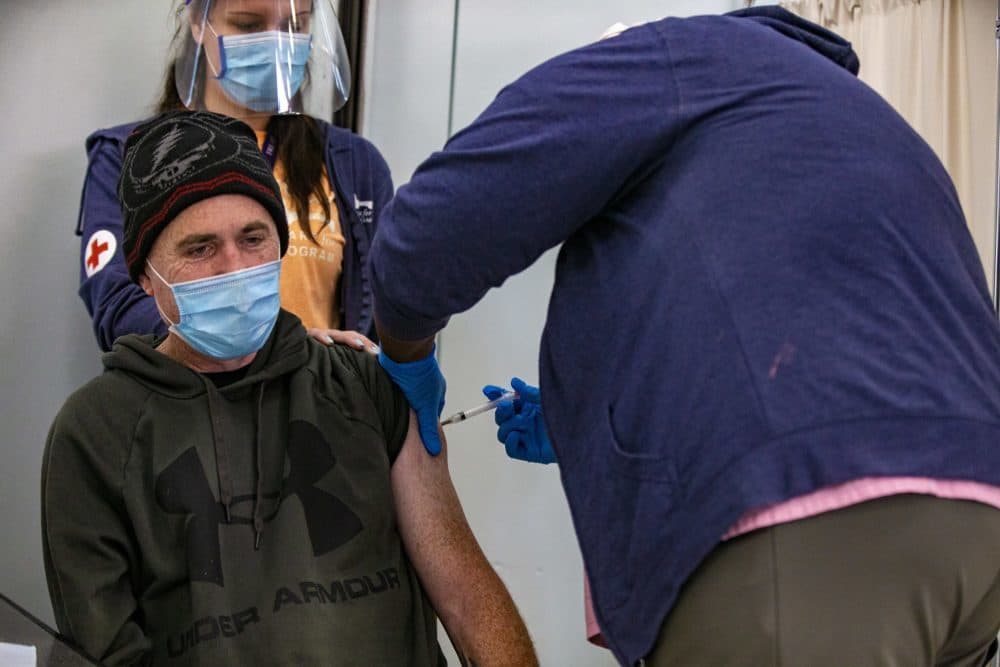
(901, 581)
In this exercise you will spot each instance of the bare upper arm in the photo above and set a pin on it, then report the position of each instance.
(432, 524)
(463, 588)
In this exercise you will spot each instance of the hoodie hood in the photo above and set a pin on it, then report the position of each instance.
(819, 39)
(284, 352)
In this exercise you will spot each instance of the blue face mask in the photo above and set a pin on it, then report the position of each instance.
(227, 316)
(264, 70)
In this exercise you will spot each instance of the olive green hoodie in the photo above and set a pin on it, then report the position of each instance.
(251, 524)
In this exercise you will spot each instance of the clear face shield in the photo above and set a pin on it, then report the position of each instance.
(258, 58)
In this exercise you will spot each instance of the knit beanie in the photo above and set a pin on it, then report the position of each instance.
(179, 158)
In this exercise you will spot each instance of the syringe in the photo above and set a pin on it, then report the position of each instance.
(479, 409)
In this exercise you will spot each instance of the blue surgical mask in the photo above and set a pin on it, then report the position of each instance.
(227, 316)
(264, 70)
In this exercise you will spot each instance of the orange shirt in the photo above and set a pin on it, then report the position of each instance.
(310, 271)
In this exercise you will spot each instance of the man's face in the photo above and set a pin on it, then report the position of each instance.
(214, 236)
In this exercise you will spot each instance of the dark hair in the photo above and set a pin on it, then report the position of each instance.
(299, 141)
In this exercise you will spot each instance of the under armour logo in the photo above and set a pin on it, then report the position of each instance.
(183, 488)
(331, 523)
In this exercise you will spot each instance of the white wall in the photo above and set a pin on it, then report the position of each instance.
(68, 67)
(407, 84)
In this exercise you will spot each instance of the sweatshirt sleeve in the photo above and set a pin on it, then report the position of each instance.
(552, 151)
(91, 558)
(117, 306)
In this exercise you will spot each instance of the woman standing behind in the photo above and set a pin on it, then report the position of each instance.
(279, 66)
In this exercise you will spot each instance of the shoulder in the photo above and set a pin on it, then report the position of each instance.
(107, 145)
(354, 377)
(116, 135)
(340, 363)
(111, 392)
(101, 416)
(340, 139)
(602, 66)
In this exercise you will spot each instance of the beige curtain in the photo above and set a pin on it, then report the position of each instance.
(916, 54)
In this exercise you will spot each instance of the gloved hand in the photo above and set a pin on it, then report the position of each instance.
(424, 387)
(522, 429)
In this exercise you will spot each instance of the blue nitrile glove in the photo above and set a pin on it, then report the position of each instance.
(424, 387)
(522, 429)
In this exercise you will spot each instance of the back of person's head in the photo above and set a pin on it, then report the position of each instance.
(180, 158)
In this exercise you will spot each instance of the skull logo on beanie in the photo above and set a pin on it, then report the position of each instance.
(179, 158)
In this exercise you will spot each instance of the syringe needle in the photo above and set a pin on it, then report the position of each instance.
(478, 410)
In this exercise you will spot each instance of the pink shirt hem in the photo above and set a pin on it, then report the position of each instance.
(858, 491)
(829, 499)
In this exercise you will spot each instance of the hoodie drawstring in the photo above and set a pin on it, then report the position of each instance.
(221, 451)
(222, 465)
(258, 500)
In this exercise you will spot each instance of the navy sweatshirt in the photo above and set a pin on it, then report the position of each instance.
(781, 262)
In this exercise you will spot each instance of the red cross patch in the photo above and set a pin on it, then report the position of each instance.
(98, 251)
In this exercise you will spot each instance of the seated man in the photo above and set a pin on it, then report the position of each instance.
(236, 493)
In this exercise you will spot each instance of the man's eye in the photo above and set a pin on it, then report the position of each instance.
(254, 240)
(198, 251)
